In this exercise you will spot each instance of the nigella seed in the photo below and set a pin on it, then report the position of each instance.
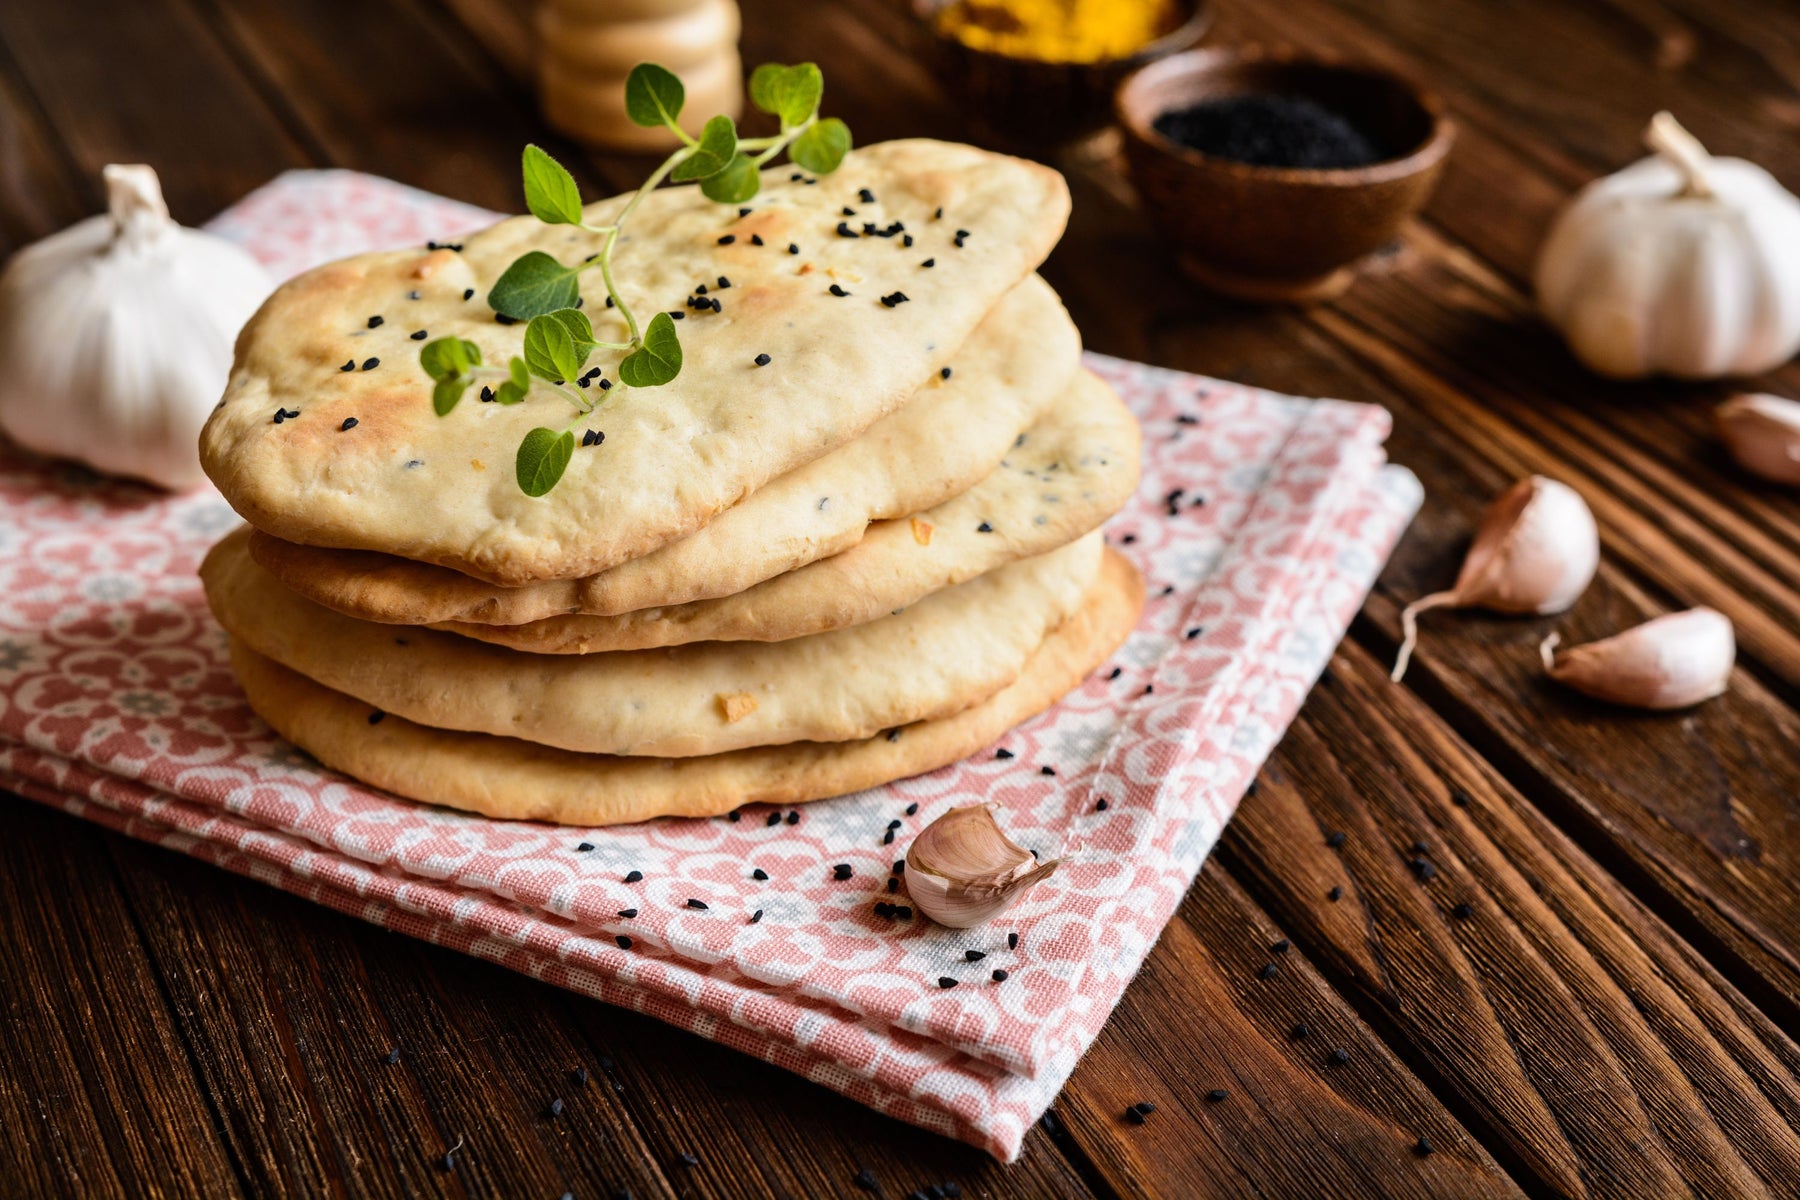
(939, 214)
(999, 975)
(727, 239)
(893, 884)
(865, 1179)
(837, 290)
(1280, 947)
(883, 909)
(418, 335)
(906, 240)
(899, 867)
(687, 1160)
(865, 195)
(974, 955)
(1340, 1056)
(1335, 894)
(699, 291)
(1422, 1147)
(1459, 797)
(722, 283)
(1149, 688)
(944, 373)
(503, 319)
(628, 913)
(1012, 941)
(848, 211)
(349, 423)
(349, 366)
(1046, 770)
(1116, 672)
(844, 230)
(698, 904)
(678, 315)
(756, 239)
(1194, 633)
(554, 1109)
(929, 263)
(579, 1076)
(912, 809)
(887, 839)
(756, 916)
(1336, 838)
(904, 912)
(984, 527)
(1463, 912)
(487, 395)
(763, 360)
(1003, 753)
(1299, 1032)
(468, 293)
(1424, 870)
(1218, 1094)
(1420, 848)
(369, 364)
(841, 872)
(745, 211)
(759, 875)
(894, 824)
(869, 229)
(1100, 804)
(945, 982)
(793, 249)
(774, 819)
(623, 941)
(393, 1056)
(894, 299)
(1268, 971)
(375, 717)
(375, 322)
(634, 876)
(793, 818)
(584, 847)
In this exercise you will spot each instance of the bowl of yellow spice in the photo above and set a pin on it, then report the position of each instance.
(1042, 72)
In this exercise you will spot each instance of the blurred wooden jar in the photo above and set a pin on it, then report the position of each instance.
(588, 47)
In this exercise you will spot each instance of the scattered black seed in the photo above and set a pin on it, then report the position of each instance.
(893, 884)
(1463, 912)
(468, 293)
(1422, 1147)
(1129, 539)
(727, 239)
(624, 942)
(1100, 804)
(1424, 870)
(375, 718)
(349, 366)
(756, 239)
(974, 955)
(899, 867)
(745, 211)
(503, 319)
(487, 395)
(759, 875)
(887, 839)
(1169, 590)
(763, 360)
(369, 364)
(945, 982)
(592, 437)
(1335, 894)
(1459, 797)
(796, 177)
(883, 909)
(865, 1179)
(1420, 848)
(1340, 1056)
(722, 282)
(844, 230)
(944, 373)
(1116, 672)
(687, 1160)
(1003, 753)
(1046, 770)
(393, 1056)
(961, 236)
(1299, 1032)
(584, 847)
(418, 335)
(929, 263)
(1218, 1094)
(1148, 688)
(1134, 1116)
(841, 872)
(701, 290)
(1268, 971)
(953, 1191)
(999, 975)
(756, 916)
(579, 1076)
(793, 249)
(984, 527)
(869, 229)
(1012, 941)
(865, 195)
(774, 819)
(554, 1109)
(836, 290)
(1280, 947)
(848, 211)
(1268, 129)
(1187, 419)
(912, 808)
(609, 302)
(793, 818)
(904, 912)
(633, 876)
(1194, 633)
(699, 904)
(678, 316)
(1336, 838)
(893, 299)
(374, 322)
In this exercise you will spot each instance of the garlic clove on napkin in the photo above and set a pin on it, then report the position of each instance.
(1673, 661)
(1535, 552)
(1763, 434)
(962, 870)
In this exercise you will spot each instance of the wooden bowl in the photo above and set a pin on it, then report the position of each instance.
(1036, 104)
(1280, 233)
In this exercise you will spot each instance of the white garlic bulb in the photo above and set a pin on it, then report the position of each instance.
(1681, 264)
(117, 335)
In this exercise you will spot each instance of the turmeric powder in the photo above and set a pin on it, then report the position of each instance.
(1072, 31)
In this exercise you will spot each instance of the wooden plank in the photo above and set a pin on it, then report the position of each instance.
(1603, 1056)
(1200, 1016)
(96, 1095)
(37, 191)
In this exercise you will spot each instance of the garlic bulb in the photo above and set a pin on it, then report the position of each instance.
(1535, 552)
(117, 335)
(1763, 434)
(961, 870)
(1671, 662)
(1681, 264)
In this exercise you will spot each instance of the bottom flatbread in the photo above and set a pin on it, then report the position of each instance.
(507, 778)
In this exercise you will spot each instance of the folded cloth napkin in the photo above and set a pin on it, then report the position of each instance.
(1259, 527)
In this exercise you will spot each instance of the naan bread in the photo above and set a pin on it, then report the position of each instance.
(944, 654)
(407, 482)
(948, 436)
(512, 779)
(1073, 469)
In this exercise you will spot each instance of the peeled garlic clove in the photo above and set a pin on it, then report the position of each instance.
(1670, 662)
(1535, 552)
(961, 870)
(1763, 434)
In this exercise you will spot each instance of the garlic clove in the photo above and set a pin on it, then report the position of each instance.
(1671, 662)
(1535, 552)
(1763, 434)
(961, 870)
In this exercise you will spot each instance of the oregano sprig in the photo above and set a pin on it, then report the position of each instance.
(545, 292)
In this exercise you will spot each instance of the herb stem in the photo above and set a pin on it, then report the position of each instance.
(612, 236)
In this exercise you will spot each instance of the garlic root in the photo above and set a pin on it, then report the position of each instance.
(1763, 433)
(1535, 552)
(961, 870)
(1674, 661)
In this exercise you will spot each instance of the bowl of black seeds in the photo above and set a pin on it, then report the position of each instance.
(1274, 174)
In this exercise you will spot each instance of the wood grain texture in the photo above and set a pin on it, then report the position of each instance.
(1607, 1021)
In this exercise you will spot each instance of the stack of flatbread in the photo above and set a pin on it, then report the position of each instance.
(774, 579)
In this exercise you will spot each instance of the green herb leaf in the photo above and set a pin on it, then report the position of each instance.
(534, 285)
(738, 182)
(550, 191)
(514, 389)
(718, 143)
(658, 360)
(653, 96)
(551, 349)
(445, 394)
(791, 93)
(822, 148)
(543, 457)
(449, 357)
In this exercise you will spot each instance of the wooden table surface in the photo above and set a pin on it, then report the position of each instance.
(1614, 1017)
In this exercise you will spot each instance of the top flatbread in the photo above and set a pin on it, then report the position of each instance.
(940, 443)
(441, 490)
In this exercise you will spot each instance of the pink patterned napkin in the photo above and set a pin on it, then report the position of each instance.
(1260, 525)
